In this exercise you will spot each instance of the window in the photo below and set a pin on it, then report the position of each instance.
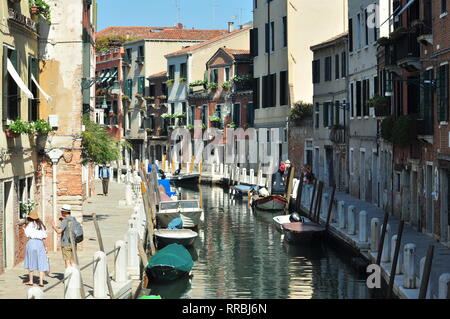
(273, 90)
(376, 86)
(272, 36)
(191, 115)
(204, 115)
(337, 117)
(443, 6)
(328, 68)
(316, 71)
(129, 88)
(227, 74)
(256, 90)
(140, 57)
(336, 66)
(443, 95)
(171, 72)
(141, 85)
(10, 88)
(326, 116)
(255, 4)
(358, 32)
(128, 56)
(358, 98)
(152, 90)
(352, 161)
(344, 64)
(214, 76)
(250, 114)
(164, 89)
(183, 70)
(265, 91)
(283, 88)
(352, 99)
(172, 108)
(365, 97)
(33, 106)
(317, 111)
(366, 27)
(285, 39)
(237, 114)
(350, 35)
(254, 42)
(267, 38)
(115, 117)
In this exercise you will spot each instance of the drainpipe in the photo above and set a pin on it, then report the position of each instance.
(54, 156)
(43, 193)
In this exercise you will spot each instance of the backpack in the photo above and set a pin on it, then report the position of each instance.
(77, 231)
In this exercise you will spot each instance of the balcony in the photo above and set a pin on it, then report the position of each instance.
(337, 134)
(408, 52)
(425, 33)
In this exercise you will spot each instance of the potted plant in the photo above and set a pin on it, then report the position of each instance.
(183, 80)
(232, 125)
(190, 127)
(40, 7)
(198, 83)
(226, 85)
(212, 86)
(215, 121)
(169, 82)
(149, 98)
(125, 98)
(380, 104)
(26, 207)
(18, 127)
(162, 97)
(42, 128)
(204, 127)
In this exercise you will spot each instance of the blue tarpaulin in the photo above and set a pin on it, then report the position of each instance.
(166, 184)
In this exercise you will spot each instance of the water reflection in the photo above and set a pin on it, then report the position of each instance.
(239, 254)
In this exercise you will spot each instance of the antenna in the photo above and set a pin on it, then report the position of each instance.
(178, 7)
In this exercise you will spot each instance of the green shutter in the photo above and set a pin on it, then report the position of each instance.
(442, 90)
(5, 84)
(325, 115)
(141, 85)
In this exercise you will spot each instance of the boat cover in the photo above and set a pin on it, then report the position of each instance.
(176, 223)
(242, 188)
(173, 255)
(166, 184)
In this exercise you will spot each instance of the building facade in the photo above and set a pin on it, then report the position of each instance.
(331, 112)
(281, 41)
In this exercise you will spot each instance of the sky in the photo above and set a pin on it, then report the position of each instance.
(200, 14)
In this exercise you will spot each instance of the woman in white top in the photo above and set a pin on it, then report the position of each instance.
(36, 249)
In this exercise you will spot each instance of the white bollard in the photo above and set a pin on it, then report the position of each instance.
(133, 254)
(341, 214)
(386, 255)
(146, 165)
(421, 268)
(136, 165)
(374, 234)
(351, 214)
(120, 261)
(444, 280)
(100, 276)
(363, 227)
(399, 268)
(252, 176)
(409, 278)
(244, 175)
(213, 169)
(72, 286)
(221, 169)
(129, 194)
(35, 293)
(96, 176)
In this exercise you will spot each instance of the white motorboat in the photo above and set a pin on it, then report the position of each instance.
(188, 210)
(185, 237)
(279, 221)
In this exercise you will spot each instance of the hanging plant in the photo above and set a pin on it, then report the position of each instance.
(404, 131)
(169, 82)
(40, 7)
(198, 83)
(213, 86)
(380, 104)
(42, 127)
(226, 85)
(21, 127)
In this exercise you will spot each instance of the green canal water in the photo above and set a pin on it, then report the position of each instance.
(240, 254)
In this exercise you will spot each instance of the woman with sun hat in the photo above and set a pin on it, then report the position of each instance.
(36, 249)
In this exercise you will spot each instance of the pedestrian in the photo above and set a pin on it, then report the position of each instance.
(36, 248)
(308, 176)
(63, 230)
(104, 175)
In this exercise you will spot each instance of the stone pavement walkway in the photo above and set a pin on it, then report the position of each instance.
(113, 223)
(441, 259)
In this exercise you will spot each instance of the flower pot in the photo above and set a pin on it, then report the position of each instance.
(10, 133)
(41, 140)
(34, 10)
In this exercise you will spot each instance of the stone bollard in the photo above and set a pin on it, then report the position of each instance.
(72, 286)
(399, 269)
(221, 169)
(252, 176)
(386, 255)
(238, 174)
(213, 169)
(100, 275)
(325, 202)
(35, 293)
(351, 214)
(374, 234)
(244, 176)
(363, 226)
(129, 194)
(409, 278)
(341, 214)
(421, 269)
(120, 261)
(133, 254)
(444, 280)
(96, 176)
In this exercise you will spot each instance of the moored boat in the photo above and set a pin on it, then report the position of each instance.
(188, 210)
(185, 237)
(269, 203)
(279, 221)
(170, 263)
(299, 233)
(240, 190)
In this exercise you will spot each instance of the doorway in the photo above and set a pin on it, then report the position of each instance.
(8, 222)
(429, 200)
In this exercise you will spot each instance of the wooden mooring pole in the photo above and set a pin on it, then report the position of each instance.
(383, 234)
(298, 200)
(318, 205)
(289, 187)
(426, 273)
(395, 261)
(102, 248)
(330, 207)
(312, 198)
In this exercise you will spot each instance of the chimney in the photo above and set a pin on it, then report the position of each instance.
(180, 25)
(230, 26)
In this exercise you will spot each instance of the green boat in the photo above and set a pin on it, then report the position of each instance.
(170, 263)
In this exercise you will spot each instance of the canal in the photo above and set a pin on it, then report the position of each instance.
(240, 254)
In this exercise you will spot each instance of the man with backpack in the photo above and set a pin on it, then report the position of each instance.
(63, 229)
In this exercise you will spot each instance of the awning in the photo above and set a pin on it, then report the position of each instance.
(46, 96)
(105, 77)
(18, 80)
(405, 7)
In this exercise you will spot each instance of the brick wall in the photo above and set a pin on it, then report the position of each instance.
(296, 140)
